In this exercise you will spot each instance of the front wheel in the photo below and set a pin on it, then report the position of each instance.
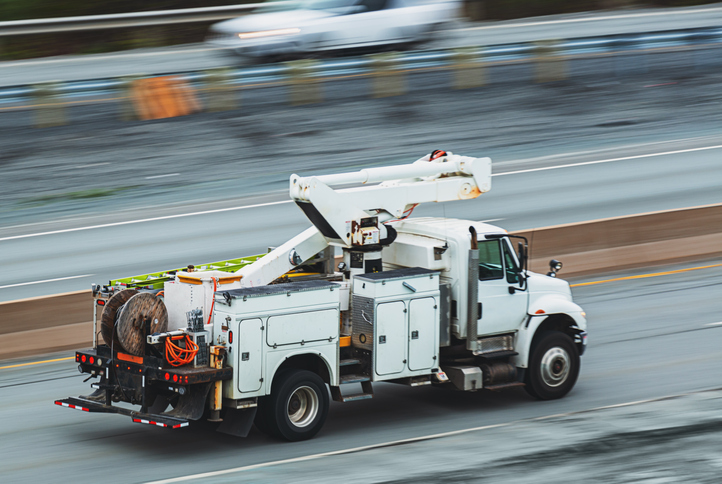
(553, 366)
(298, 405)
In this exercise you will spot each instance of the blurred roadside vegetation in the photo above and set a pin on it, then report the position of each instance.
(94, 42)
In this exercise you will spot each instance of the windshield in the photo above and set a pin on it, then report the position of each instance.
(326, 4)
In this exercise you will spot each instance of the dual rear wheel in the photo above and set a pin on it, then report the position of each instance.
(297, 407)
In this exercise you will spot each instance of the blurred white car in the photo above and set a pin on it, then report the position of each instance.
(315, 26)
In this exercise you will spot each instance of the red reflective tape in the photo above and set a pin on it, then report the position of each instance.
(137, 420)
(152, 423)
(59, 403)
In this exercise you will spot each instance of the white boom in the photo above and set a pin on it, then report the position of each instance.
(355, 216)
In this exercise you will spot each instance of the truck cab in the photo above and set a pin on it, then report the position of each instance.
(498, 307)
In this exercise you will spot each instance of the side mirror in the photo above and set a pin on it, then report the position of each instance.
(523, 261)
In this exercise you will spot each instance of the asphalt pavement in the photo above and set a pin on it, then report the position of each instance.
(662, 127)
(650, 338)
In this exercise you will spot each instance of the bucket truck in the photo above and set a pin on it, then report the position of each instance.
(265, 339)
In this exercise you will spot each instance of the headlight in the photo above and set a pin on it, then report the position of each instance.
(267, 33)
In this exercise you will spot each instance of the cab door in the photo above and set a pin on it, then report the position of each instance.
(502, 305)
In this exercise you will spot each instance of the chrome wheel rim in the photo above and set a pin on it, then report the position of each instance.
(555, 366)
(302, 406)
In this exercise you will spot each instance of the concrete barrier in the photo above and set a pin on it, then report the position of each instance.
(64, 321)
(626, 242)
(44, 324)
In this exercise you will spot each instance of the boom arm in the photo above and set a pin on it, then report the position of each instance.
(355, 216)
(347, 217)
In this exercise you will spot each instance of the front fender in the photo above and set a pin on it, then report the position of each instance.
(540, 311)
(554, 304)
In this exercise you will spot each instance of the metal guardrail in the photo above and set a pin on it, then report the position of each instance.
(414, 60)
(124, 20)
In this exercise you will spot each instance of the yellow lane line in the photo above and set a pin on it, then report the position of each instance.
(36, 362)
(643, 276)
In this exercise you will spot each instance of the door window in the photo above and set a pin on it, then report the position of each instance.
(512, 269)
(490, 264)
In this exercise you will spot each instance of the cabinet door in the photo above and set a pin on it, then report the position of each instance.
(390, 337)
(423, 333)
(250, 356)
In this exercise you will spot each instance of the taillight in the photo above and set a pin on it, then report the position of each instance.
(92, 360)
(175, 378)
(83, 358)
(230, 337)
(167, 376)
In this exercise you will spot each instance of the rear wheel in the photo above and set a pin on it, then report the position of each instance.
(553, 366)
(297, 407)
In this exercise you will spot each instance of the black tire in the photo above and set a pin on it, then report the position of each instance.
(261, 419)
(298, 405)
(553, 366)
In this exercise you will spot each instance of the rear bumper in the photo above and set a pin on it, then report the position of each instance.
(84, 405)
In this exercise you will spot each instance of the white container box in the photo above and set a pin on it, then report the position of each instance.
(395, 316)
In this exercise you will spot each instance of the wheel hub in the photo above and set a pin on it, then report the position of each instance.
(555, 366)
(303, 405)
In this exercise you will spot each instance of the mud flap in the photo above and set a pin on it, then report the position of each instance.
(237, 422)
(160, 403)
(193, 403)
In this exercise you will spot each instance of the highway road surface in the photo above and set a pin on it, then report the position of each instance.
(40, 260)
(649, 338)
(199, 56)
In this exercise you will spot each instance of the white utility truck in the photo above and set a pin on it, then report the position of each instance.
(415, 301)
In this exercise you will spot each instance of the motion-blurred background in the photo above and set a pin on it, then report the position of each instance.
(134, 143)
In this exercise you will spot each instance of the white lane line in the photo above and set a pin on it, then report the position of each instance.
(411, 440)
(673, 12)
(161, 176)
(153, 219)
(44, 281)
(610, 160)
(714, 324)
(168, 217)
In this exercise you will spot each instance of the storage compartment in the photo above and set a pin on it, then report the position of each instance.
(267, 323)
(395, 316)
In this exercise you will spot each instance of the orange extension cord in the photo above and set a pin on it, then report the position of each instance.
(178, 356)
